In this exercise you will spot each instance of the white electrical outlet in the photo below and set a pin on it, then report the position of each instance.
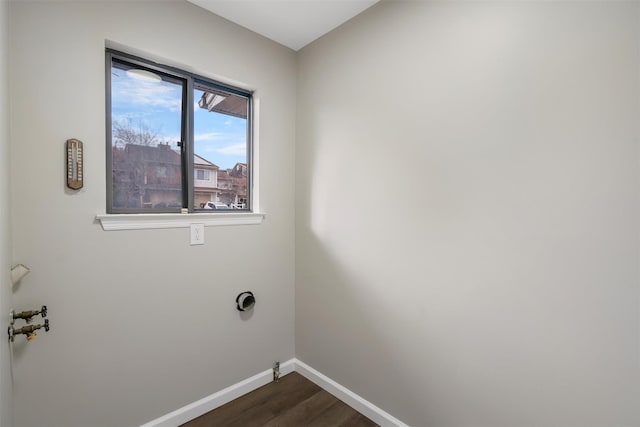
(197, 234)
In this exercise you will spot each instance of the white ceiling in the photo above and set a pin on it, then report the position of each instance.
(293, 23)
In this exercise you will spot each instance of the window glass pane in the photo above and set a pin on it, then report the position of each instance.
(220, 149)
(146, 114)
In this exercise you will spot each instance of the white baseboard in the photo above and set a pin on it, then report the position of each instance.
(361, 405)
(209, 403)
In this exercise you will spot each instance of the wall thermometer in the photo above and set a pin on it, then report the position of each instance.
(74, 164)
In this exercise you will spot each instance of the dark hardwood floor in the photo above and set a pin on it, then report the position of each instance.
(293, 401)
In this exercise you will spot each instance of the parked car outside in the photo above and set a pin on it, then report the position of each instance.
(216, 205)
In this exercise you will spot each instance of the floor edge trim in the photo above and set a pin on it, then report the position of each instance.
(215, 400)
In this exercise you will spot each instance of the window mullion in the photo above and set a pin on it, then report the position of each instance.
(187, 138)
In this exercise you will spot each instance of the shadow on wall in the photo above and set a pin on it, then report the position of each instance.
(348, 312)
(343, 317)
(339, 319)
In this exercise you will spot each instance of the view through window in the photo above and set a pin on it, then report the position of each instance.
(175, 140)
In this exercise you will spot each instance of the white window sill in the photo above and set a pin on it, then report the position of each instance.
(111, 222)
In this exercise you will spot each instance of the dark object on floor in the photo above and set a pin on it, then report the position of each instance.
(293, 401)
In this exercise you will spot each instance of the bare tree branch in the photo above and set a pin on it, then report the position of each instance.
(125, 133)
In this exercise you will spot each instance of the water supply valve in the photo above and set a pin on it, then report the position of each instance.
(28, 315)
(28, 331)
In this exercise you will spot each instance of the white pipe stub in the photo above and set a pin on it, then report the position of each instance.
(245, 301)
(18, 272)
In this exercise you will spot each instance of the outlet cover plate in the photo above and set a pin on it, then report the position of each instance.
(197, 234)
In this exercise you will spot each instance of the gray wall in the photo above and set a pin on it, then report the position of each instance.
(142, 322)
(466, 217)
(467, 211)
(6, 398)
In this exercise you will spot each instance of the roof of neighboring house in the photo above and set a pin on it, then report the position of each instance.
(165, 154)
(160, 153)
(201, 161)
(239, 170)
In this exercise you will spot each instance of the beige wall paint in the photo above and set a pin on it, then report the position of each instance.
(467, 232)
(142, 322)
(6, 398)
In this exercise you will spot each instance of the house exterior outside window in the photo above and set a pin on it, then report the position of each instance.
(175, 141)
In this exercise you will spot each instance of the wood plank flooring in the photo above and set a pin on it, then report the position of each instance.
(293, 401)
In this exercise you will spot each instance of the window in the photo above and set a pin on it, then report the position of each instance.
(202, 175)
(175, 140)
